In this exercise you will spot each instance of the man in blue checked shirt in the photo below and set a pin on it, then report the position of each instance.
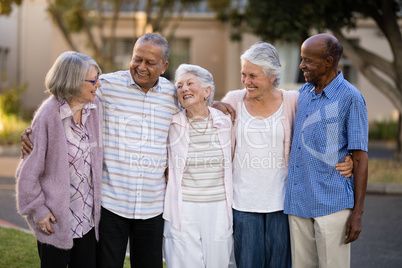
(325, 208)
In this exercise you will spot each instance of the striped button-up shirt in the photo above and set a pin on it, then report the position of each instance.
(327, 127)
(134, 137)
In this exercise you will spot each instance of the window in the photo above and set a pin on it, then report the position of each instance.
(349, 72)
(122, 53)
(3, 64)
(179, 53)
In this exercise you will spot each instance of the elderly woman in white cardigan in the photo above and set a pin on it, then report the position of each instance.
(58, 184)
(198, 202)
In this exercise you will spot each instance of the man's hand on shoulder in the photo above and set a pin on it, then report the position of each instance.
(225, 108)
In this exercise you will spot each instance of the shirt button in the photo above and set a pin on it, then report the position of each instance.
(138, 193)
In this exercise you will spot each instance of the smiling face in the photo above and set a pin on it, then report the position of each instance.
(147, 64)
(88, 90)
(191, 94)
(313, 64)
(255, 80)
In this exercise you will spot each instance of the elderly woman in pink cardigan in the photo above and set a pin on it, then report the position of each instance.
(263, 134)
(58, 184)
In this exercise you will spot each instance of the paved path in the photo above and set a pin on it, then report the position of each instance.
(379, 245)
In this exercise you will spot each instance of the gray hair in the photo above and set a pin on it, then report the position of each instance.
(65, 78)
(158, 40)
(265, 55)
(205, 77)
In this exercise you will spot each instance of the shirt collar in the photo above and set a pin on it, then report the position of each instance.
(330, 90)
(65, 110)
(157, 87)
(182, 120)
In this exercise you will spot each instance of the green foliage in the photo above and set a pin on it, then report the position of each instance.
(289, 20)
(11, 122)
(10, 99)
(383, 130)
(6, 6)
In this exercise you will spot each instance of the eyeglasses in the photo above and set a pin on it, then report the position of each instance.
(93, 81)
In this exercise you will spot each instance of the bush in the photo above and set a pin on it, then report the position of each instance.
(12, 123)
(383, 130)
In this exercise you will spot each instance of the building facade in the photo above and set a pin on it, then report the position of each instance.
(30, 42)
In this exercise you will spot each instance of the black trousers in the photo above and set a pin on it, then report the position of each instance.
(82, 255)
(144, 236)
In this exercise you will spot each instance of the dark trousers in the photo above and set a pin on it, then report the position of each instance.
(83, 253)
(144, 236)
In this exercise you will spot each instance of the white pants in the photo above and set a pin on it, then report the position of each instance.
(319, 242)
(205, 240)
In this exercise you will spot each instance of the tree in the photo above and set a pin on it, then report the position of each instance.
(6, 6)
(97, 20)
(290, 20)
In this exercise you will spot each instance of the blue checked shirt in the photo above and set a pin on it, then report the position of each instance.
(327, 127)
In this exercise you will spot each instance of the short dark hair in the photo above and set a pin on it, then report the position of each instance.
(334, 49)
(158, 40)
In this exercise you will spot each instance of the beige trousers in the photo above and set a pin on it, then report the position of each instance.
(319, 242)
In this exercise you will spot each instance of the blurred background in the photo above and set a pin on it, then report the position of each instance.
(209, 33)
(212, 34)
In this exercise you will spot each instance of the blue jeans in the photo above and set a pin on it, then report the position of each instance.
(261, 239)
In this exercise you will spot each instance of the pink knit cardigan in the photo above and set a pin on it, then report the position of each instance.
(43, 180)
(235, 99)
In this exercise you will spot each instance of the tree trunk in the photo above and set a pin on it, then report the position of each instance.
(398, 152)
(364, 62)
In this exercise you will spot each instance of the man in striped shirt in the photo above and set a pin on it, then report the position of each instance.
(138, 107)
(325, 208)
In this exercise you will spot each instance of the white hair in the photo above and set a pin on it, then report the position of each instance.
(265, 55)
(205, 77)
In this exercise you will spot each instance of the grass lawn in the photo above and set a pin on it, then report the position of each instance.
(18, 249)
(384, 171)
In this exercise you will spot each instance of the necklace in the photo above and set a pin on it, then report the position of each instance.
(205, 130)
